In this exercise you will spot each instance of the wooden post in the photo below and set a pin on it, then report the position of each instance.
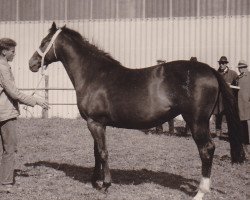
(45, 113)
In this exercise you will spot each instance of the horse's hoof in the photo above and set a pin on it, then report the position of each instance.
(199, 195)
(106, 185)
(96, 185)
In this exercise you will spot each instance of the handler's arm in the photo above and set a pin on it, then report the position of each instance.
(10, 88)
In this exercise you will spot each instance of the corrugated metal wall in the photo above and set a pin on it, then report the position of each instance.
(136, 43)
(39, 10)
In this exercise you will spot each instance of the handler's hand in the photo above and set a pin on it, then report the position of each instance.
(41, 102)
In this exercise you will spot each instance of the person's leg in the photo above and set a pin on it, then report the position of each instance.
(159, 129)
(245, 134)
(9, 142)
(171, 126)
(244, 129)
(218, 122)
(248, 131)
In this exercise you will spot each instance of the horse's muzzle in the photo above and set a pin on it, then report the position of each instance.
(34, 66)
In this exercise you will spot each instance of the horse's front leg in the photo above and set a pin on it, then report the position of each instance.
(101, 154)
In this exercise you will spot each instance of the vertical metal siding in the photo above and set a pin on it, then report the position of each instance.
(136, 43)
(55, 9)
(78, 9)
(8, 10)
(39, 10)
(29, 9)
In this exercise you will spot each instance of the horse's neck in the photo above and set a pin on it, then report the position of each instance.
(74, 69)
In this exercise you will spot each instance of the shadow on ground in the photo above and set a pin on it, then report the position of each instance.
(125, 177)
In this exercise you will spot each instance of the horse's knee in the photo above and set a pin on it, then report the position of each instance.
(205, 145)
(104, 155)
(206, 155)
(207, 151)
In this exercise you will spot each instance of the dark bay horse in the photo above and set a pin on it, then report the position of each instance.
(109, 94)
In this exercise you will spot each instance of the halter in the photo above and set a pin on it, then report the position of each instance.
(43, 54)
(51, 44)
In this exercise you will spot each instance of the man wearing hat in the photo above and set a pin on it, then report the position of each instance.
(244, 99)
(230, 77)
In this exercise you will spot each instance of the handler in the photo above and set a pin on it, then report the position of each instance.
(10, 96)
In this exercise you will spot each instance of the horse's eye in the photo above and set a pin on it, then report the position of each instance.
(43, 43)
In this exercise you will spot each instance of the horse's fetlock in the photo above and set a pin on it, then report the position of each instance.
(205, 185)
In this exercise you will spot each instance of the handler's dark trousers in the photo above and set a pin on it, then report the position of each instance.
(218, 120)
(9, 144)
(245, 126)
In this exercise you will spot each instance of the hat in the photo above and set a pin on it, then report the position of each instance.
(242, 64)
(223, 59)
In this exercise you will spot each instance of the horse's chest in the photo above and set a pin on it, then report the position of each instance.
(94, 103)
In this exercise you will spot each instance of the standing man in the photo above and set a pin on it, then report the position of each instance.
(159, 129)
(230, 77)
(244, 100)
(10, 97)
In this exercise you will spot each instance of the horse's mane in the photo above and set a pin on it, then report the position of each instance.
(82, 44)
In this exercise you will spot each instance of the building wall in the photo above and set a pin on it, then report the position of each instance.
(135, 43)
(135, 32)
(40, 10)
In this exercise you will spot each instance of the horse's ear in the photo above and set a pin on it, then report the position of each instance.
(53, 27)
(64, 26)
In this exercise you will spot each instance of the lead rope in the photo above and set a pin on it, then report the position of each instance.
(43, 70)
(32, 94)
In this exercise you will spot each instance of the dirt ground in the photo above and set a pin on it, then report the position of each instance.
(55, 161)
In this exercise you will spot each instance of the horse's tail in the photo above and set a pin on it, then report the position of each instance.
(233, 120)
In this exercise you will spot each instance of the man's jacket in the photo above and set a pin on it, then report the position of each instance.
(10, 96)
(244, 96)
(230, 77)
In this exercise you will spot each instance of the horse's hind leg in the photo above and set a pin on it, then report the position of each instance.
(206, 147)
(101, 154)
(97, 175)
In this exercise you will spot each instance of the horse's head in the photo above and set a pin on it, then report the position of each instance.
(46, 53)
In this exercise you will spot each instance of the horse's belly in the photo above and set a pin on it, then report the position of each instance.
(137, 119)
